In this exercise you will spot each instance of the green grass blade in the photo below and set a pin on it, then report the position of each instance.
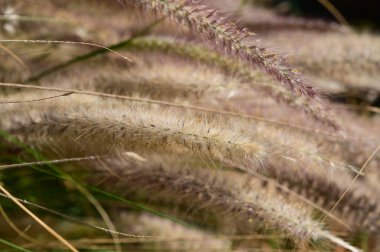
(12, 245)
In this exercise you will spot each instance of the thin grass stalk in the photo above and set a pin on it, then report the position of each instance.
(360, 210)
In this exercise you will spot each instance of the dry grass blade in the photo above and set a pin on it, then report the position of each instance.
(15, 57)
(72, 219)
(37, 100)
(39, 221)
(15, 228)
(67, 43)
(335, 12)
(355, 178)
(67, 160)
(169, 104)
(358, 209)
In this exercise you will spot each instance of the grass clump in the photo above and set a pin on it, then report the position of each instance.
(165, 125)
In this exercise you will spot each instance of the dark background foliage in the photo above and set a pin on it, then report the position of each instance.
(364, 13)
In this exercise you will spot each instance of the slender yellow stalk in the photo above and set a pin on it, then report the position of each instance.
(39, 221)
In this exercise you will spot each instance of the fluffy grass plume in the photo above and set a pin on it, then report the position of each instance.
(166, 125)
